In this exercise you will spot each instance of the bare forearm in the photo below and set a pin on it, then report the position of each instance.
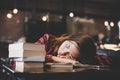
(63, 60)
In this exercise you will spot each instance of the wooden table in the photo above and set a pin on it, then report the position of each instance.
(63, 74)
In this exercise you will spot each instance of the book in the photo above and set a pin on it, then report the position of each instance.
(32, 59)
(27, 51)
(113, 47)
(59, 65)
(26, 46)
(71, 66)
(26, 66)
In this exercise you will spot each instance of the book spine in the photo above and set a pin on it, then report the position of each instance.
(26, 53)
(40, 59)
(26, 46)
(22, 66)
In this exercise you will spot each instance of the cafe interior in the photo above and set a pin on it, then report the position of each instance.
(28, 20)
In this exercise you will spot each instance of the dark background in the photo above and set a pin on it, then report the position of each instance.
(28, 20)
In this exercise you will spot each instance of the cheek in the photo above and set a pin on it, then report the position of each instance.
(75, 53)
(60, 48)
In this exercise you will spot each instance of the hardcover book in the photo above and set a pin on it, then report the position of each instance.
(26, 66)
(26, 46)
(27, 52)
(59, 65)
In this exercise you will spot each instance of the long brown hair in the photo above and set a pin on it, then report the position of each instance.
(85, 43)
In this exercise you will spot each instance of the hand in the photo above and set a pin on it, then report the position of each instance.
(63, 60)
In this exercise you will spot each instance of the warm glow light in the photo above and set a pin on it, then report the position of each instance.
(15, 11)
(106, 23)
(119, 24)
(119, 30)
(44, 18)
(60, 17)
(9, 15)
(111, 24)
(71, 14)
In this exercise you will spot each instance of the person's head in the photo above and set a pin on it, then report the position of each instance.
(79, 47)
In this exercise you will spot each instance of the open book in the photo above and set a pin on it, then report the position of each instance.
(59, 65)
(72, 66)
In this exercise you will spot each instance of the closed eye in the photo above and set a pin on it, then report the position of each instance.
(67, 46)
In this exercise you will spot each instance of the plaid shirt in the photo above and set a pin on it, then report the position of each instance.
(48, 40)
(103, 60)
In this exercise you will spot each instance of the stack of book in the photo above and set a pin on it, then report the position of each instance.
(26, 57)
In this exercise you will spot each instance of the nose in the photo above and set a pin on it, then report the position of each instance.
(64, 53)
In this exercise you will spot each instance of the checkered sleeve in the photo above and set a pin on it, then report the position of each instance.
(103, 60)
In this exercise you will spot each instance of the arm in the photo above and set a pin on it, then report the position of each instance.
(103, 60)
(73, 62)
(63, 60)
(48, 40)
(44, 39)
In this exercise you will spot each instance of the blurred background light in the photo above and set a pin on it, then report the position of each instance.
(111, 24)
(15, 10)
(44, 18)
(9, 15)
(71, 14)
(106, 23)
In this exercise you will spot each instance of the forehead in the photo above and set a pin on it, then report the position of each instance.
(70, 42)
(73, 46)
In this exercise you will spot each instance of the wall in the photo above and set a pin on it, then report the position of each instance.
(11, 29)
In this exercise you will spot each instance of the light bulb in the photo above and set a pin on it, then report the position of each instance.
(106, 23)
(9, 15)
(44, 18)
(71, 14)
(15, 11)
